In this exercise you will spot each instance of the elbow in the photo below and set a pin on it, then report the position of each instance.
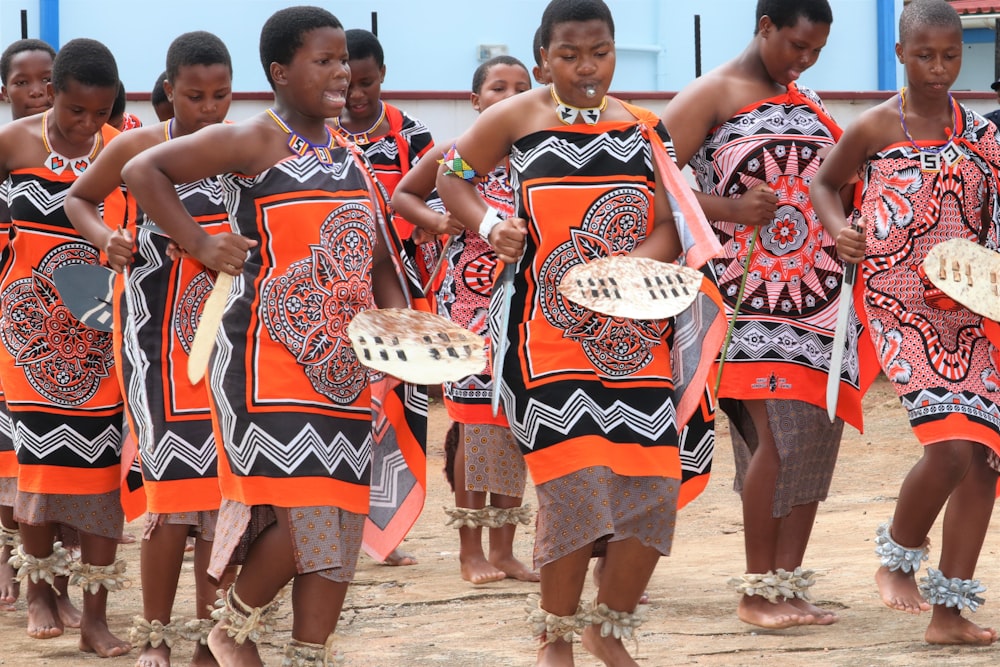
(133, 170)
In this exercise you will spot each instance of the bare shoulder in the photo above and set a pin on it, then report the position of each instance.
(18, 138)
(875, 128)
(129, 144)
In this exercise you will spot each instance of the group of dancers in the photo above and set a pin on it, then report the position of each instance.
(333, 202)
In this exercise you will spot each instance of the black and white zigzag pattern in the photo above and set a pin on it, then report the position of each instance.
(562, 419)
(45, 202)
(393, 478)
(172, 450)
(65, 438)
(623, 147)
(289, 456)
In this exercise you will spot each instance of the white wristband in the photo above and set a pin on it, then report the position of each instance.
(489, 221)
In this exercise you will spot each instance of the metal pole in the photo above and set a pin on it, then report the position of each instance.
(996, 49)
(697, 45)
(24, 24)
(375, 23)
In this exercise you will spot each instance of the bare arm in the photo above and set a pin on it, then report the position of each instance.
(152, 174)
(410, 196)
(838, 170)
(689, 118)
(662, 243)
(102, 178)
(483, 146)
(385, 280)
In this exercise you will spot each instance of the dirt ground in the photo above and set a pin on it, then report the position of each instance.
(426, 615)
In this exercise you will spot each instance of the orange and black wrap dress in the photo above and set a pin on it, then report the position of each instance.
(291, 404)
(8, 459)
(391, 156)
(582, 390)
(59, 375)
(158, 314)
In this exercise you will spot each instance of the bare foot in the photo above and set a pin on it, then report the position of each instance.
(398, 557)
(10, 590)
(203, 657)
(948, 626)
(899, 591)
(126, 538)
(822, 616)
(231, 654)
(478, 570)
(557, 654)
(515, 569)
(95, 637)
(154, 657)
(608, 650)
(43, 620)
(756, 610)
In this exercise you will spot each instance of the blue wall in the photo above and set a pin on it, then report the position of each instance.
(432, 44)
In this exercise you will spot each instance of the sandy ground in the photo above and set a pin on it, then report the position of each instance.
(426, 614)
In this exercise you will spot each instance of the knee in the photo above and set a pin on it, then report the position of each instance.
(950, 460)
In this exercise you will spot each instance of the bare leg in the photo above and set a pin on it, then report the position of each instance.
(761, 529)
(562, 585)
(316, 605)
(10, 590)
(160, 562)
(475, 568)
(95, 636)
(205, 596)
(270, 565)
(793, 538)
(599, 570)
(502, 544)
(924, 492)
(627, 569)
(68, 614)
(43, 618)
(965, 523)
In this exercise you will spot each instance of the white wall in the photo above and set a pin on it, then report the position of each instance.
(431, 44)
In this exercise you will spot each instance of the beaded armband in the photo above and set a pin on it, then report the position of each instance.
(455, 165)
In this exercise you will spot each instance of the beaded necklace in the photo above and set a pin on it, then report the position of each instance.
(933, 157)
(57, 163)
(362, 138)
(300, 145)
(568, 113)
(168, 130)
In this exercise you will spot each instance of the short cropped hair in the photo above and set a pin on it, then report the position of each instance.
(924, 13)
(363, 44)
(281, 36)
(196, 48)
(20, 46)
(86, 61)
(786, 13)
(565, 11)
(536, 46)
(479, 76)
(159, 94)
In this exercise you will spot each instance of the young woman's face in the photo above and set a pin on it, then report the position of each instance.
(79, 111)
(932, 56)
(366, 89)
(27, 83)
(201, 95)
(790, 51)
(501, 82)
(316, 80)
(580, 57)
